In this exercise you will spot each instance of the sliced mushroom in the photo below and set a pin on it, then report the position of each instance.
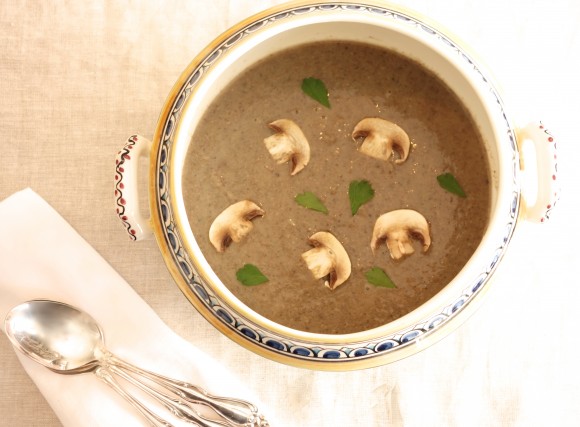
(288, 144)
(233, 224)
(380, 138)
(327, 259)
(397, 228)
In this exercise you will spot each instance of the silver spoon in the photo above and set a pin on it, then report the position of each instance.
(69, 341)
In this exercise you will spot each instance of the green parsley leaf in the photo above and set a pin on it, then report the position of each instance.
(250, 275)
(359, 193)
(310, 201)
(316, 89)
(449, 183)
(377, 276)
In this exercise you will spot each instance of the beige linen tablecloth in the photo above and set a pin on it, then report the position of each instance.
(76, 78)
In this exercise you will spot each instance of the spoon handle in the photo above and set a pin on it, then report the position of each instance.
(153, 419)
(175, 405)
(236, 412)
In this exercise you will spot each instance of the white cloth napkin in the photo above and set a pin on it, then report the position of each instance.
(42, 256)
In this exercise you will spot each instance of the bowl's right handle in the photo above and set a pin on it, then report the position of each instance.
(547, 188)
(126, 196)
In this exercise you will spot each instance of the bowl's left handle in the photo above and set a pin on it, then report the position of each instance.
(126, 195)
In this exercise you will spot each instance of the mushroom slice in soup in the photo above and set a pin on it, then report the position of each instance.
(380, 138)
(397, 228)
(288, 144)
(233, 224)
(328, 259)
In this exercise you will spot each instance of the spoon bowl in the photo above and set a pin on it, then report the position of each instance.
(69, 341)
(56, 335)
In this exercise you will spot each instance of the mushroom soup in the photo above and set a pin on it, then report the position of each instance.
(389, 209)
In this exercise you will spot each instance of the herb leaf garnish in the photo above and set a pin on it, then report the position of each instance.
(449, 183)
(377, 276)
(311, 201)
(359, 193)
(316, 89)
(250, 275)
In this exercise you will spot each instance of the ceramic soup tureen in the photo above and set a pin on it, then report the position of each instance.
(290, 25)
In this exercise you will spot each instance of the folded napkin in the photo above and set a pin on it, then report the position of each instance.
(42, 256)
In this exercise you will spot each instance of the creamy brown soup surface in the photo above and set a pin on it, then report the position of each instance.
(228, 162)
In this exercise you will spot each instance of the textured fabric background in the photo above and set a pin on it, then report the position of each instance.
(76, 78)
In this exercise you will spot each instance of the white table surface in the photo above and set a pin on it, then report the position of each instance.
(76, 78)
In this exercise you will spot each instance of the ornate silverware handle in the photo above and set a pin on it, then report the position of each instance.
(155, 421)
(236, 412)
(173, 404)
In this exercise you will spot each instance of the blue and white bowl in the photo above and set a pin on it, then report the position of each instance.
(290, 25)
